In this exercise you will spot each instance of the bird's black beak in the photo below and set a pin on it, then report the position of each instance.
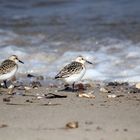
(21, 61)
(89, 62)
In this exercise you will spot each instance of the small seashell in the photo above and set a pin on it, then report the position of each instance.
(39, 97)
(137, 85)
(111, 96)
(27, 88)
(103, 90)
(86, 95)
(72, 125)
(10, 89)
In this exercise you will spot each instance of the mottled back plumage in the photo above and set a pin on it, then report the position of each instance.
(7, 66)
(72, 68)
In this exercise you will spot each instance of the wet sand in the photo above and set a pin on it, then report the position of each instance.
(29, 115)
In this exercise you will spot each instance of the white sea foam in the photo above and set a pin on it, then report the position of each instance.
(113, 59)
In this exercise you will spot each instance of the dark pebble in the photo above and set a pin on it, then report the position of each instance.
(3, 125)
(125, 129)
(30, 75)
(29, 101)
(6, 99)
(98, 128)
(120, 96)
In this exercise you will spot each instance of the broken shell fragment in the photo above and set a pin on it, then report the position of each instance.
(10, 89)
(40, 97)
(72, 125)
(27, 88)
(86, 95)
(111, 96)
(103, 90)
(137, 85)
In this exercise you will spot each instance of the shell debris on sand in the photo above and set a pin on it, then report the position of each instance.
(86, 95)
(72, 125)
(50, 96)
(111, 96)
(27, 88)
(103, 90)
(39, 96)
(11, 89)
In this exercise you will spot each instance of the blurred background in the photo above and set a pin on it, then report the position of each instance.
(47, 34)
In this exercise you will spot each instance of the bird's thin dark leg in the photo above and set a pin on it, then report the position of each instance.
(5, 84)
(73, 87)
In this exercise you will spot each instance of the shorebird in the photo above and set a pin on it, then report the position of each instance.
(74, 71)
(8, 68)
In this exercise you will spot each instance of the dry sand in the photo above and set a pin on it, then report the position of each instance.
(99, 118)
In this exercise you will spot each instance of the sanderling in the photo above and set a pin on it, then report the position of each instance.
(74, 71)
(8, 68)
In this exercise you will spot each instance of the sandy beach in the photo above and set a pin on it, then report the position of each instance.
(47, 35)
(43, 113)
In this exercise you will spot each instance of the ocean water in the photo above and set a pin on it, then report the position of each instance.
(48, 34)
